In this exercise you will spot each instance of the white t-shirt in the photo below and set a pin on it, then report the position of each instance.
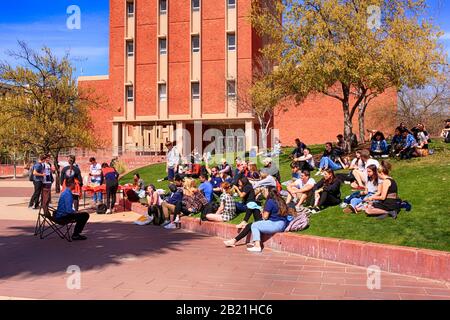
(300, 185)
(373, 188)
(360, 164)
(96, 171)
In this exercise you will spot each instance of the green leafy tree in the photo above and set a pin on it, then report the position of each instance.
(43, 110)
(345, 50)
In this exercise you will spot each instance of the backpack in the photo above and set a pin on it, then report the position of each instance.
(447, 138)
(101, 208)
(299, 223)
(157, 213)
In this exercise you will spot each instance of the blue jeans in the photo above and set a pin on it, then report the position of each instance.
(357, 201)
(97, 196)
(240, 207)
(171, 174)
(267, 227)
(326, 162)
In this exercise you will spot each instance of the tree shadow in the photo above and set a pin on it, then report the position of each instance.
(108, 244)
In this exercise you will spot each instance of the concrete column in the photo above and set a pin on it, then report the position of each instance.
(115, 139)
(250, 135)
(198, 136)
(179, 136)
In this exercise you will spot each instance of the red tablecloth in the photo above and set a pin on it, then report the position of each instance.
(102, 188)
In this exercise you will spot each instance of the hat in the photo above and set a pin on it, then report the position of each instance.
(266, 161)
(253, 205)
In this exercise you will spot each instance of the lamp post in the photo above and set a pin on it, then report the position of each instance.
(14, 156)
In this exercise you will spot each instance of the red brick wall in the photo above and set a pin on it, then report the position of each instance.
(320, 118)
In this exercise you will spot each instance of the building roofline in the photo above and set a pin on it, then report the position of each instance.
(93, 78)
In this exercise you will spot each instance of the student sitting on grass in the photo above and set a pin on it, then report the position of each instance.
(387, 201)
(301, 189)
(227, 209)
(361, 176)
(329, 159)
(356, 201)
(327, 191)
(274, 220)
(267, 181)
(378, 145)
(206, 187)
(408, 146)
(170, 202)
(253, 172)
(305, 161)
(154, 205)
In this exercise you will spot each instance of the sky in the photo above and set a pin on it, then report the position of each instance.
(44, 22)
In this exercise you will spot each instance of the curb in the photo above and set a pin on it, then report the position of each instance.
(424, 263)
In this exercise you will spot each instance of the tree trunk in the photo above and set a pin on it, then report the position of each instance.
(361, 118)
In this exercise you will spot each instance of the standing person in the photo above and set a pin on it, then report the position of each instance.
(72, 171)
(95, 174)
(47, 183)
(327, 191)
(65, 211)
(111, 178)
(298, 150)
(173, 160)
(38, 180)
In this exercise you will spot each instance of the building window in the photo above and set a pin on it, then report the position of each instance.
(231, 88)
(195, 5)
(130, 94)
(195, 90)
(231, 3)
(162, 46)
(130, 48)
(162, 6)
(162, 92)
(231, 41)
(196, 43)
(130, 9)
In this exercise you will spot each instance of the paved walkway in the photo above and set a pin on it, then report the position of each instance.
(124, 261)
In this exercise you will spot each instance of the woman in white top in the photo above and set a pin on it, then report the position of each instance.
(306, 162)
(361, 176)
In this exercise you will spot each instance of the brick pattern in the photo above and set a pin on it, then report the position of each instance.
(396, 259)
(123, 261)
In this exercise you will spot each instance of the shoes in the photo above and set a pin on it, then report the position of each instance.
(315, 210)
(171, 225)
(254, 249)
(343, 205)
(177, 219)
(241, 225)
(160, 180)
(230, 243)
(406, 205)
(393, 214)
(165, 223)
(77, 237)
(108, 211)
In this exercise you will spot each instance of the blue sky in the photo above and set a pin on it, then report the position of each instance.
(43, 22)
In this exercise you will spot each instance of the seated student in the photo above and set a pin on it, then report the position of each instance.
(327, 191)
(298, 150)
(408, 146)
(422, 141)
(372, 186)
(225, 167)
(226, 177)
(271, 169)
(227, 209)
(378, 146)
(396, 142)
(306, 160)
(240, 172)
(154, 205)
(266, 182)
(295, 174)
(445, 133)
(193, 202)
(245, 191)
(361, 176)
(301, 189)
(138, 191)
(274, 220)
(329, 159)
(216, 180)
(253, 172)
(387, 201)
(341, 144)
(206, 187)
(65, 211)
(169, 203)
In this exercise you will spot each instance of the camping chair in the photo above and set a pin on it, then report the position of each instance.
(47, 224)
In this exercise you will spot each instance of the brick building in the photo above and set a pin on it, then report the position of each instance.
(177, 64)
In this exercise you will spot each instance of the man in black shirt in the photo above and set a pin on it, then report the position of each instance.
(298, 151)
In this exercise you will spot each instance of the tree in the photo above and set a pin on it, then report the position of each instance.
(338, 48)
(44, 111)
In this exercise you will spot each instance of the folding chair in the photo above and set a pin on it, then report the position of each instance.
(47, 224)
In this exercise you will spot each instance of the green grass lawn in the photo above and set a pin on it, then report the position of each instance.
(424, 182)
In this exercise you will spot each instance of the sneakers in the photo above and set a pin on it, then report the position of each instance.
(343, 205)
(160, 180)
(77, 237)
(165, 223)
(177, 220)
(171, 225)
(406, 205)
(108, 211)
(230, 243)
(254, 249)
(315, 210)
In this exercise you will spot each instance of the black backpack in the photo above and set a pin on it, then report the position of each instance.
(101, 208)
(157, 213)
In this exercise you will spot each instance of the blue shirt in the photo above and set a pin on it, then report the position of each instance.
(207, 189)
(410, 141)
(383, 146)
(65, 204)
(39, 167)
(216, 182)
(272, 208)
(296, 175)
(175, 197)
